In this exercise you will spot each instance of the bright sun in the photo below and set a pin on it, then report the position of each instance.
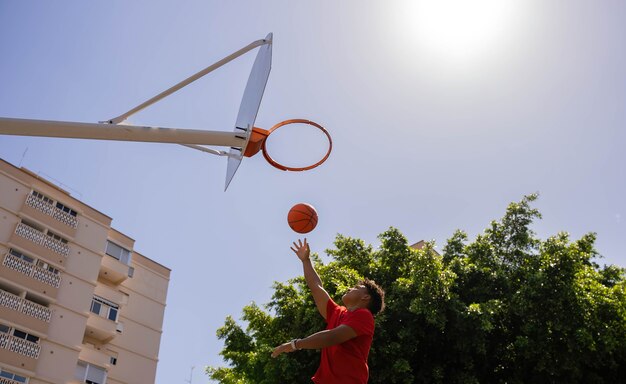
(461, 30)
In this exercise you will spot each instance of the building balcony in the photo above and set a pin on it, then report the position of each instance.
(19, 352)
(42, 239)
(30, 275)
(114, 270)
(40, 244)
(100, 328)
(94, 356)
(50, 215)
(24, 312)
(4, 380)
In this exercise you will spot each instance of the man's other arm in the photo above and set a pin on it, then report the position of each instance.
(319, 340)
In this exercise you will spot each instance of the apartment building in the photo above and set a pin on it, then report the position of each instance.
(77, 303)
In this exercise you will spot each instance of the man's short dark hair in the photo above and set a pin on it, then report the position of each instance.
(377, 296)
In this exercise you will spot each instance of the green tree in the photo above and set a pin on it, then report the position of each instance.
(507, 308)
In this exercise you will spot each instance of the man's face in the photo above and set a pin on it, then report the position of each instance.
(355, 295)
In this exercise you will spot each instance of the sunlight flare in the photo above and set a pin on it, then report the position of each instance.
(460, 30)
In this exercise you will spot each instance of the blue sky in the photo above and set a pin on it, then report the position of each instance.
(440, 117)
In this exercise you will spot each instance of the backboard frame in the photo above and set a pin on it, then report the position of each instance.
(249, 106)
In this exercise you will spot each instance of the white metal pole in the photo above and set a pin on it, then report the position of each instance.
(74, 130)
(189, 80)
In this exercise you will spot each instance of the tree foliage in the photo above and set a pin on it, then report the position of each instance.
(507, 308)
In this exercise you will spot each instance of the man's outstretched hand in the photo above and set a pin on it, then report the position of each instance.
(301, 249)
(283, 348)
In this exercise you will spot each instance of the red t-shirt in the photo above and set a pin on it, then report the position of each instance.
(346, 363)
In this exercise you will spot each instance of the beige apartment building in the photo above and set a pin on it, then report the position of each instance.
(77, 303)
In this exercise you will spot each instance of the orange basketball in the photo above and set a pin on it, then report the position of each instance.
(302, 218)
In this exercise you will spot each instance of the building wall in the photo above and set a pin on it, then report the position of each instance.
(68, 331)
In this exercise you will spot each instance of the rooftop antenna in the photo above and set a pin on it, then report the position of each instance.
(23, 155)
(190, 375)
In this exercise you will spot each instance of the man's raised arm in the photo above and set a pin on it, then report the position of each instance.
(313, 280)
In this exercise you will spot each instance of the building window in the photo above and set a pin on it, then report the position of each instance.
(112, 314)
(33, 225)
(50, 201)
(104, 308)
(25, 336)
(40, 263)
(96, 307)
(12, 376)
(115, 251)
(113, 360)
(43, 265)
(21, 256)
(19, 334)
(90, 374)
(66, 209)
(57, 237)
(42, 197)
(43, 230)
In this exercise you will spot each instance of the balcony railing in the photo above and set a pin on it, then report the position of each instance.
(24, 306)
(53, 211)
(4, 380)
(20, 346)
(31, 270)
(42, 239)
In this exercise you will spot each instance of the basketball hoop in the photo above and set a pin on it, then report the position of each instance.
(258, 141)
(244, 141)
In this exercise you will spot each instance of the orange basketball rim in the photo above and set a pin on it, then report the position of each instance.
(259, 137)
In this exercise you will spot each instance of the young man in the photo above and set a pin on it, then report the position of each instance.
(348, 336)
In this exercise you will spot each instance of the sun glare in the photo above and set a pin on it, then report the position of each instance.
(460, 30)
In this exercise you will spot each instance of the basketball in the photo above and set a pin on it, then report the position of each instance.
(302, 218)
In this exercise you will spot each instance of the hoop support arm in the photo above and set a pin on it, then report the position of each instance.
(187, 81)
(74, 130)
(207, 150)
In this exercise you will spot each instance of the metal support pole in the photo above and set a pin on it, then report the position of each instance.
(187, 81)
(68, 129)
